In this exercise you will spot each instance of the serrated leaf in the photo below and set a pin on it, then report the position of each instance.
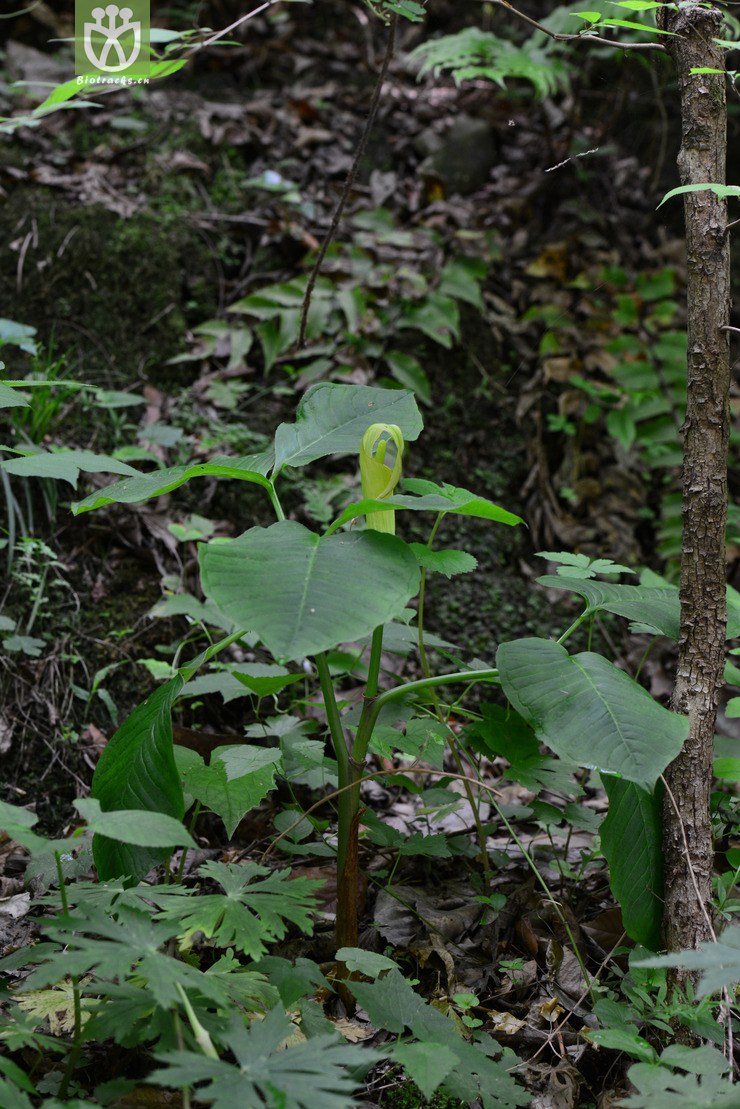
(719, 962)
(230, 797)
(253, 910)
(368, 963)
(299, 592)
(143, 487)
(331, 419)
(589, 711)
(449, 562)
(631, 842)
(315, 1074)
(426, 1064)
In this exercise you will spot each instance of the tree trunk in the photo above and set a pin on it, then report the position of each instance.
(701, 159)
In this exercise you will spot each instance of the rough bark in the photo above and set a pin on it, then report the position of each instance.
(703, 607)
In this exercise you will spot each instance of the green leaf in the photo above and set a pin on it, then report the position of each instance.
(390, 1002)
(316, 1074)
(137, 771)
(433, 498)
(408, 371)
(461, 278)
(660, 1088)
(230, 796)
(426, 1064)
(449, 563)
(253, 911)
(331, 419)
(721, 191)
(436, 316)
(588, 711)
(631, 842)
(409, 9)
(142, 829)
(632, 26)
(628, 1040)
(639, 5)
(366, 962)
(19, 335)
(656, 610)
(719, 962)
(143, 487)
(64, 465)
(299, 592)
(10, 398)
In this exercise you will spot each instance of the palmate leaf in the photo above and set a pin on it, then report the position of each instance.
(479, 1073)
(315, 1074)
(705, 1086)
(719, 962)
(472, 54)
(299, 591)
(332, 419)
(588, 711)
(252, 911)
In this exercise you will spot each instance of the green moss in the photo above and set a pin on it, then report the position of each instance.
(408, 1096)
(108, 289)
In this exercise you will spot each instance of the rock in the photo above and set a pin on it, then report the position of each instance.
(461, 158)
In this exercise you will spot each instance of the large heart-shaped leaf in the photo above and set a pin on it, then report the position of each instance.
(588, 711)
(303, 594)
(331, 419)
(631, 841)
(137, 771)
(252, 467)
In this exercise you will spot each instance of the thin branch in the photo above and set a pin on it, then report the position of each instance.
(238, 23)
(560, 37)
(347, 187)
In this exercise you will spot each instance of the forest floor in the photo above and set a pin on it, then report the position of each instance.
(128, 226)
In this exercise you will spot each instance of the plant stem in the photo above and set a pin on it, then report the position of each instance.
(576, 624)
(77, 1032)
(420, 620)
(342, 752)
(275, 501)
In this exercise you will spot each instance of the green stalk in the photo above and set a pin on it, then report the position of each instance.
(342, 752)
(420, 621)
(576, 624)
(275, 501)
(76, 1002)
